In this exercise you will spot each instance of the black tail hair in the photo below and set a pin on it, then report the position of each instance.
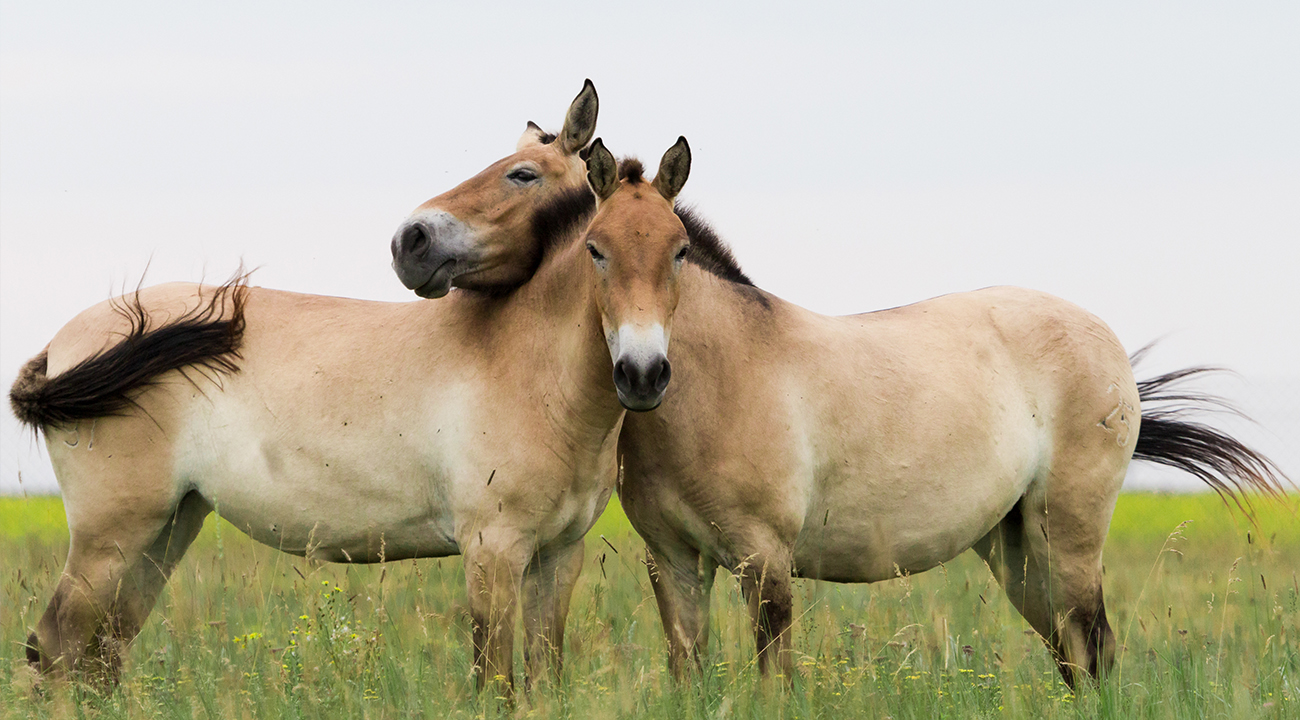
(1169, 437)
(207, 337)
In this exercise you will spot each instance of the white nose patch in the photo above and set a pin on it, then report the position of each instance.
(452, 236)
(639, 344)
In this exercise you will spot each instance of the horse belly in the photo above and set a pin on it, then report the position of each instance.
(314, 518)
(875, 546)
(890, 518)
(359, 495)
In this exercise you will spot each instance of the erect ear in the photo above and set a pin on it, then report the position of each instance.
(532, 136)
(602, 171)
(580, 123)
(673, 170)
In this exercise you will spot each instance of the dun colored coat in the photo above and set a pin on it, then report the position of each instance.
(483, 425)
(862, 448)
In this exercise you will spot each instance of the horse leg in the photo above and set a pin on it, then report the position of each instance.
(118, 563)
(494, 569)
(547, 588)
(765, 580)
(1048, 559)
(682, 579)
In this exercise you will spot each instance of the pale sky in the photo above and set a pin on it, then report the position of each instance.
(1139, 159)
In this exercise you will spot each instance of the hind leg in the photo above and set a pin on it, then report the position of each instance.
(1047, 556)
(118, 562)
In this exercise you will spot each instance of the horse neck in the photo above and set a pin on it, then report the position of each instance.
(568, 339)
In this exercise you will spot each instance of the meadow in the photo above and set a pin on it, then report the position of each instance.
(1205, 607)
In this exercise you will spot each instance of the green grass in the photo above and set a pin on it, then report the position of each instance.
(1208, 616)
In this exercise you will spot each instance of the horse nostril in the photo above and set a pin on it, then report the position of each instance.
(415, 239)
(664, 374)
(621, 380)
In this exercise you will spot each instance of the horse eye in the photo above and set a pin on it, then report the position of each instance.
(522, 175)
(595, 254)
(681, 254)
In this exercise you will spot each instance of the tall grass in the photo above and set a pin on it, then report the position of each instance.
(1207, 613)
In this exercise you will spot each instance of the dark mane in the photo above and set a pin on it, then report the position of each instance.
(561, 219)
(547, 138)
(707, 250)
(631, 170)
(566, 215)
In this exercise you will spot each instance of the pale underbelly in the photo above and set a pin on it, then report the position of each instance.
(861, 535)
(862, 559)
(321, 501)
(360, 536)
(338, 527)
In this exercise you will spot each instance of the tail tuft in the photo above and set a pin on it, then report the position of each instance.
(26, 397)
(1169, 436)
(208, 337)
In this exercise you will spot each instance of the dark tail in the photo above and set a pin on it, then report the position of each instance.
(207, 337)
(1169, 436)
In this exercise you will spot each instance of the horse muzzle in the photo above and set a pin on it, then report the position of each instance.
(429, 250)
(641, 386)
(641, 367)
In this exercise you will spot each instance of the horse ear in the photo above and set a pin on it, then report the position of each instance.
(602, 171)
(673, 170)
(580, 122)
(532, 136)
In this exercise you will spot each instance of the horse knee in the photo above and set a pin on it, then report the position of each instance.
(494, 578)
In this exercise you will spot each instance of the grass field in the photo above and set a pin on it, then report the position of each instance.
(1207, 614)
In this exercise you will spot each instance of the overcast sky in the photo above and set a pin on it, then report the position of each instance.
(1139, 159)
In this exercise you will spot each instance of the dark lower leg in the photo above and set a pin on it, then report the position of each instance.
(771, 606)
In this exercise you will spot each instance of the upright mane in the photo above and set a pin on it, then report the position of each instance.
(707, 251)
(561, 219)
(631, 170)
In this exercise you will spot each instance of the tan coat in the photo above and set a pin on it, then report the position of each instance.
(859, 448)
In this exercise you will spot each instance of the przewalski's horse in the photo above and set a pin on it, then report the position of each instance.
(357, 431)
(861, 448)
(867, 447)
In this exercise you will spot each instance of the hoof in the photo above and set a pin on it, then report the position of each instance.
(33, 652)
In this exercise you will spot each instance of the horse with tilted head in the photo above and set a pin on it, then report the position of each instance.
(483, 425)
(863, 448)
